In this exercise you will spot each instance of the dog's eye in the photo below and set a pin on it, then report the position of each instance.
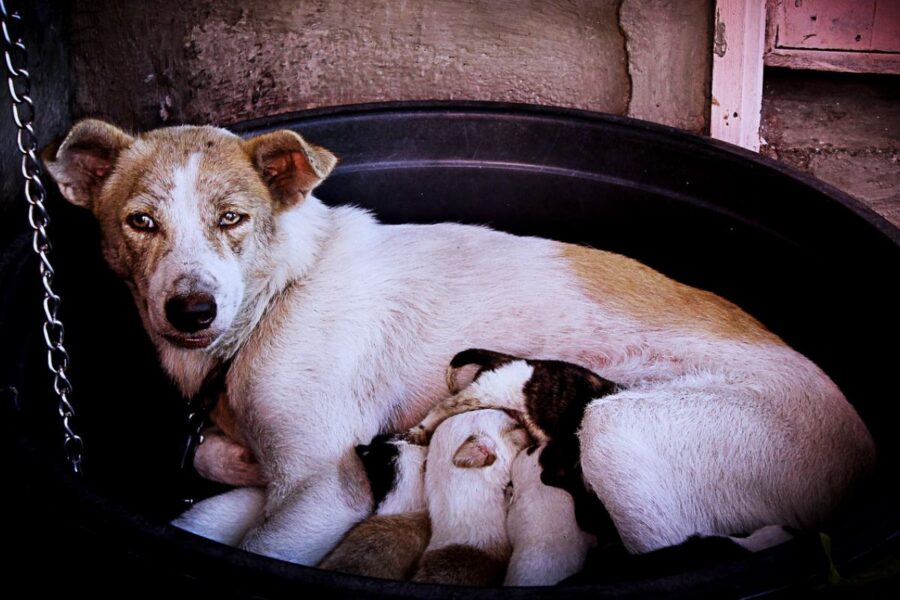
(141, 222)
(230, 219)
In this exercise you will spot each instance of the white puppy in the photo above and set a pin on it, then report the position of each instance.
(547, 543)
(466, 477)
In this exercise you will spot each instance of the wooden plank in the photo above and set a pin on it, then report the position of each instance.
(881, 55)
(827, 25)
(738, 44)
(842, 62)
(886, 34)
(774, 19)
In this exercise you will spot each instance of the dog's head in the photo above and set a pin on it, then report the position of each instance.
(187, 214)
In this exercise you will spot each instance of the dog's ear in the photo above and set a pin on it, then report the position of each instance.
(476, 452)
(85, 158)
(289, 165)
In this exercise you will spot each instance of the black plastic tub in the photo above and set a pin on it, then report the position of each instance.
(807, 260)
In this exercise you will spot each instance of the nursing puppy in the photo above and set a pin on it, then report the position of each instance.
(548, 545)
(551, 397)
(389, 543)
(340, 327)
(467, 474)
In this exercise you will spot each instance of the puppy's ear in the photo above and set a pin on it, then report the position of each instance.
(476, 452)
(362, 450)
(289, 165)
(485, 360)
(85, 158)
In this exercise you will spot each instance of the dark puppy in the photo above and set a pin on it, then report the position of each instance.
(385, 546)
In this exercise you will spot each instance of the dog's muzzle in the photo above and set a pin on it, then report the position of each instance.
(191, 312)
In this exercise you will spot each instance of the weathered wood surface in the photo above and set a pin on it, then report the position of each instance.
(851, 36)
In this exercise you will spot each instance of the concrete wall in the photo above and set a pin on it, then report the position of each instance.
(145, 64)
(841, 128)
(669, 61)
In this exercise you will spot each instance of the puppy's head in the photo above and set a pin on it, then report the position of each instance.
(187, 214)
(394, 468)
(379, 458)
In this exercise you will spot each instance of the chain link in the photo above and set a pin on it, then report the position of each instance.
(15, 57)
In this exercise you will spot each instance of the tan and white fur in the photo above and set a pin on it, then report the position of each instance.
(466, 478)
(547, 544)
(341, 327)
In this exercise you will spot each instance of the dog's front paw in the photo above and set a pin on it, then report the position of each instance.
(227, 517)
(221, 459)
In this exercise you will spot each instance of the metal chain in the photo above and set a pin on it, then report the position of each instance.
(19, 84)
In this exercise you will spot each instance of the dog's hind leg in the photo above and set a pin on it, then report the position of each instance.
(711, 458)
(225, 518)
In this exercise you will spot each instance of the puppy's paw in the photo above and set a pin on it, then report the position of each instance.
(418, 435)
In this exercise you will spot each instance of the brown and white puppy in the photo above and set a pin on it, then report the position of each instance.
(390, 543)
(340, 327)
(550, 395)
(466, 480)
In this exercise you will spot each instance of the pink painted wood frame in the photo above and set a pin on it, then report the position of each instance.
(737, 77)
(857, 36)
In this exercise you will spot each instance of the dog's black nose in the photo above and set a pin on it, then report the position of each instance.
(190, 313)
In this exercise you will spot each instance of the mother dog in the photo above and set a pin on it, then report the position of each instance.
(340, 328)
